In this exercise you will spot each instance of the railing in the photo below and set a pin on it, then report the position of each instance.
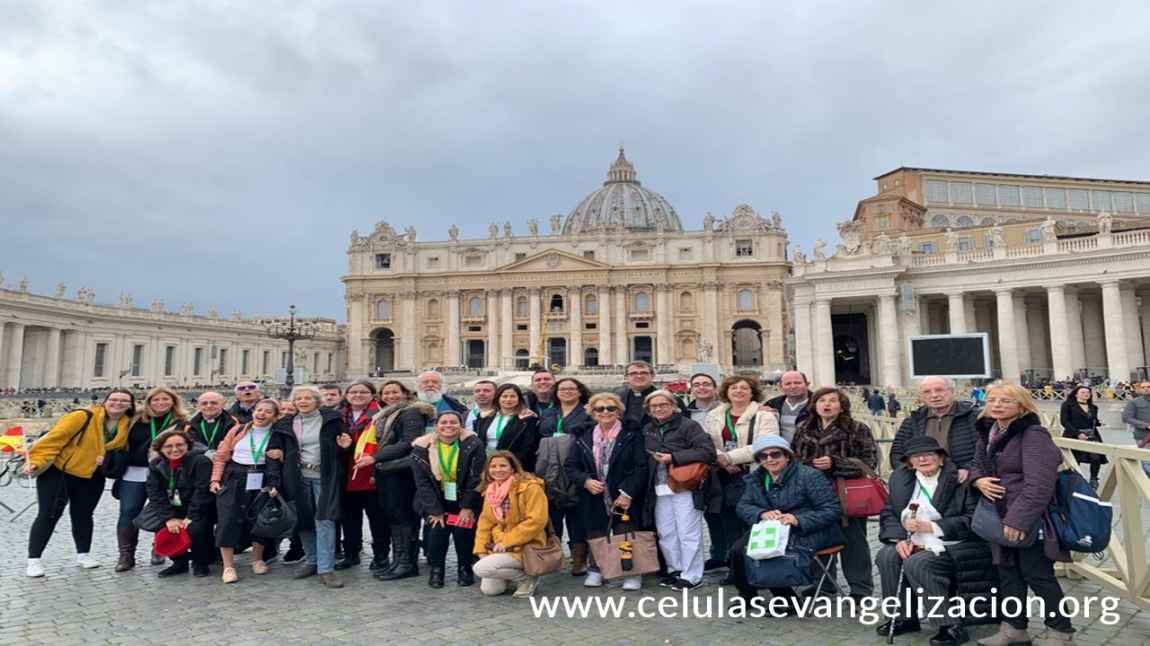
(1077, 245)
(927, 260)
(976, 256)
(1023, 252)
(1128, 238)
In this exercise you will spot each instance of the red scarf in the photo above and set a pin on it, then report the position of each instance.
(495, 494)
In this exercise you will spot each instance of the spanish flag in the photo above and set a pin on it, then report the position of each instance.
(361, 479)
(12, 441)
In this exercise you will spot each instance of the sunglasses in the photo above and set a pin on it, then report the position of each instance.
(772, 455)
(247, 389)
(606, 409)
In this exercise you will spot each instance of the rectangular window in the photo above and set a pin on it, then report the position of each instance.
(521, 328)
(1100, 201)
(965, 244)
(961, 193)
(101, 355)
(169, 361)
(936, 191)
(744, 248)
(283, 359)
(1032, 197)
(383, 261)
(1034, 236)
(245, 357)
(1055, 198)
(520, 255)
(1079, 199)
(883, 222)
(198, 361)
(267, 362)
(984, 195)
(589, 255)
(472, 260)
(1123, 202)
(329, 362)
(315, 363)
(591, 326)
(137, 360)
(928, 247)
(640, 254)
(1009, 196)
(223, 362)
(1142, 201)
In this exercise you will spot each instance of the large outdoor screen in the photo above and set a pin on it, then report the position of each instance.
(950, 355)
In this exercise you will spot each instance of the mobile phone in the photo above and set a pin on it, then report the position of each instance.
(453, 520)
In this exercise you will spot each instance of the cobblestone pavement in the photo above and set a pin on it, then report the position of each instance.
(73, 606)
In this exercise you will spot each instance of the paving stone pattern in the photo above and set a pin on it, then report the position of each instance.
(75, 607)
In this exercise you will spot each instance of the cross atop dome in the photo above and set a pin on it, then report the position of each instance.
(622, 170)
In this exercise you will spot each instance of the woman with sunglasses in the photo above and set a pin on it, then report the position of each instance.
(559, 424)
(163, 409)
(512, 427)
(178, 484)
(448, 466)
(68, 458)
(783, 489)
(238, 469)
(609, 465)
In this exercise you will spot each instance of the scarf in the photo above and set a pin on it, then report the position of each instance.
(603, 441)
(495, 494)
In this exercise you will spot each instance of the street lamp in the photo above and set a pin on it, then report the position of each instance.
(291, 331)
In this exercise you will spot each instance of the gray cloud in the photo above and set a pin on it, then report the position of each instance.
(221, 152)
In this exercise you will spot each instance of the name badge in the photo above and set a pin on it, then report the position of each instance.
(663, 490)
(450, 492)
(730, 445)
(255, 481)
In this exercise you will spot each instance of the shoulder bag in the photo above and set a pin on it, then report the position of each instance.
(861, 497)
(609, 550)
(538, 561)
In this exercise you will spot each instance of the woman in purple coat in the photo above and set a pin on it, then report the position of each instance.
(1016, 466)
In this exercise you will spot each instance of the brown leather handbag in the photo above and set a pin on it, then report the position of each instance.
(687, 477)
(538, 561)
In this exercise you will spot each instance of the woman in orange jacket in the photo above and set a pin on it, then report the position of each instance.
(514, 515)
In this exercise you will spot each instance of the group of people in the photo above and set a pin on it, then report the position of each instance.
(495, 477)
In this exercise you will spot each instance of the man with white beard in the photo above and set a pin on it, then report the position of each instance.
(429, 388)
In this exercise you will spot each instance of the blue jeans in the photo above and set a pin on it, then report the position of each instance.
(132, 496)
(318, 543)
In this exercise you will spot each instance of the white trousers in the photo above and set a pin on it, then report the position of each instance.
(495, 571)
(680, 528)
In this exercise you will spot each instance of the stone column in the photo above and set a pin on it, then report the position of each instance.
(1021, 334)
(1059, 349)
(956, 310)
(507, 329)
(3, 368)
(492, 358)
(1117, 360)
(910, 324)
(356, 357)
(52, 360)
(1133, 330)
(1093, 333)
(1074, 339)
(888, 338)
(823, 346)
(622, 352)
(1007, 349)
(710, 325)
(575, 317)
(604, 302)
(804, 357)
(409, 341)
(451, 349)
(15, 356)
(535, 347)
(664, 318)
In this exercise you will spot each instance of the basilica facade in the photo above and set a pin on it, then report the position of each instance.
(618, 279)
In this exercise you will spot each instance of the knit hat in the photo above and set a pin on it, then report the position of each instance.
(764, 442)
(922, 444)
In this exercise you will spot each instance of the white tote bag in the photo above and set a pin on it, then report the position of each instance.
(768, 540)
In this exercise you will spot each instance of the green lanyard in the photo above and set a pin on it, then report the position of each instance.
(447, 466)
(152, 423)
(258, 455)
(500, 424)
(731, 427)
(924, 491)
(173, 492)
(559, 425)
(663, 429)
(204, 431)
(767, 483)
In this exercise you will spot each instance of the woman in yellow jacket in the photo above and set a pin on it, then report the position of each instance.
(67, 459)
(514, 515)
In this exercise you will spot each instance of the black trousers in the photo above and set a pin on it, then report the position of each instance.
(1030, 568)
(56, 490)
(203, 550)
(396, 495)
(725, 528)
(738, 565)
(435, 542)
(352, 509)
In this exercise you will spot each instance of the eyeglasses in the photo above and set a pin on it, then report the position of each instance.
(772, 455)
(660, 405)
(638, 373)
(606, 409)
(247, 388)
(569, 389)
(167, 447)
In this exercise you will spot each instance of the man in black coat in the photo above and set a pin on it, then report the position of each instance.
(539, 397)
(640, 377)
(211, 422)
(792, 405)
(949, 422)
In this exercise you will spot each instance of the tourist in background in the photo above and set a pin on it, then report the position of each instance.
(360, 496)
(68, 459)
(1016, 467)
(793, 405)
(893, 405)
(673, 439)
(514, 515)
(948, 421)
(558, 426)
(401, 421)
(162, 409)
(832, 442)
(178, 484)
(1079, 418)
(704, 396)
(733, 427)
(448, 466)
(332, 395)
(514, 427)
(239, 467)
(609, 465)
(1136, 416)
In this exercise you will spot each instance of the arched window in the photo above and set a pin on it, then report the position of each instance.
(433, 309)
(590, 305)
(475, 306)
(745, 300)
(987, 222)
(687, 302)
(642, 302)
(556, 306)
(521, 310)
(964, 221)
(939, 221)
(383, 310)
(591, 357)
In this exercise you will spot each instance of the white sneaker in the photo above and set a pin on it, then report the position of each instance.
(593, 580)
(86, 561)
(633, 583)
(35, 570)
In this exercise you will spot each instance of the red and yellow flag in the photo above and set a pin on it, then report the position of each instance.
(12, 441)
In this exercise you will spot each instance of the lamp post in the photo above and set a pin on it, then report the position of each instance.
(291, 331)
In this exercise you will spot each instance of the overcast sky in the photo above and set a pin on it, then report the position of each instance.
(220, 153)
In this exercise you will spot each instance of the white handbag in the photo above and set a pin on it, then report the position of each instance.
(768, 540)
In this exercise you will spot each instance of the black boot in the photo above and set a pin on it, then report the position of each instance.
(350, 559)
(379, 564)
(435, 577)
(126, 539)
(403, 547)
(179, 566)
(295, 552)
(465, 576)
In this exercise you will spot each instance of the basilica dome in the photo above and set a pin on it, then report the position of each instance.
(622, 202)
